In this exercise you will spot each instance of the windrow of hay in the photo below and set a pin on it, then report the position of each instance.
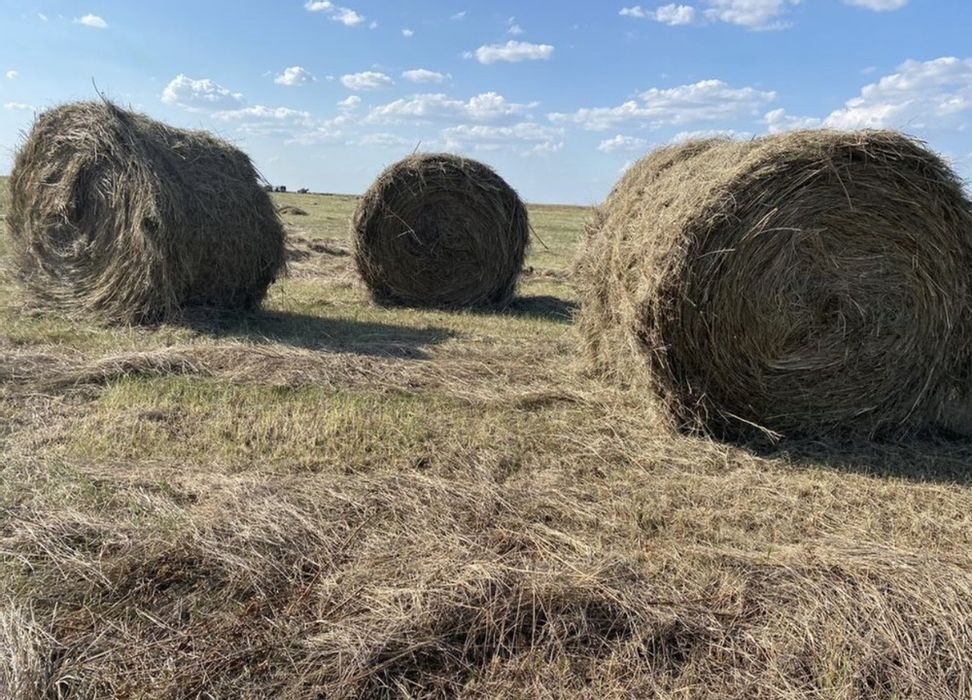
(409, 586)
(806, 283)
(118, 215)
(442, 231)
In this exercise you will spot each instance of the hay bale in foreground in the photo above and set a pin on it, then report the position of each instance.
(119, 215)
(443, 231)
(808, 283)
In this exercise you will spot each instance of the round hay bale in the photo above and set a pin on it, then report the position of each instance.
(442, 231)
(804, 284)
(121, 216)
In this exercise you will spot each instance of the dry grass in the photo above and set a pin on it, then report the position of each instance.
(443, 231)
(805, 283)
(333, 499)
(127, 219)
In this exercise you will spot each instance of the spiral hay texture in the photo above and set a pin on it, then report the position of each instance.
(441, 231)
(805, 284)
(126, 218)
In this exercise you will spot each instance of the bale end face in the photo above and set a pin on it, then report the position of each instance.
(437, 230)
(803, 284)
(123, 217)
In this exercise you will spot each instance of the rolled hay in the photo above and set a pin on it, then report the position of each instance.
(438, 230)
(127, 218)
(804, 284)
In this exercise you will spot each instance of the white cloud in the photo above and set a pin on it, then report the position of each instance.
(368, 80)
(350, 103)
(707, 100)
(623, 143)
(921, 94)
(344, 15)
(12, 74)
(42, 17)
(384, 139)
(488, 106)
(421, 75)
(93, 21)
(672, 14)
(259, 112)
(203, 94)
(513, 28)
(526, 138)
(458, 16)
(408, 33)
(878, 5)
(710, 134)
(753, 14)
(778, 121)
(294, 75)
(17, 106)
(513, 52)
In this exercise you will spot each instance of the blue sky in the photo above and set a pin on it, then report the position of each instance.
(558, 96)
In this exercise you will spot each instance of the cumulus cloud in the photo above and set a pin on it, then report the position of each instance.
(408, 33)
(512, 52)
(93, 21)
(344, 15)
(921, 94)
(526, 138)
(622, 143)
(672, 14)
(513, 28)
(350, 103)
(421, 75)
(707, 100)
(778, 121)
(293, 76)
(368, 80)
(488, 106)
(384, 139)
(878, 5)
(204, 94)
(752, 14)
(12, 74)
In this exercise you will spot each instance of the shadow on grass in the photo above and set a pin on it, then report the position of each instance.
(543, 307)
(319, 333)
(939, 458)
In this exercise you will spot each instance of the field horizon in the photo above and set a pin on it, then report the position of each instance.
(328, 498)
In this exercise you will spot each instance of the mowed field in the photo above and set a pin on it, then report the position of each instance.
(331, 499)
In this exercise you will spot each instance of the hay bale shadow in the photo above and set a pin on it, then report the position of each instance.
(317, 333)
(543, 306)
(939, 457)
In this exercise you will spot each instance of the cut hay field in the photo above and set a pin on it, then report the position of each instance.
(331, 499)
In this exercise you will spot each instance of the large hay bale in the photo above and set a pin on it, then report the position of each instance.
(809, 283)
(440, 230)
(119, 215)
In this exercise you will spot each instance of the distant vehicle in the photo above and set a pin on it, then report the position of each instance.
(303, 190)
(281, 188)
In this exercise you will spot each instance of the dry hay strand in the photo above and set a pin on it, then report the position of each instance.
(124, 217)
(441, 231)
(291, 210)
(809, 283)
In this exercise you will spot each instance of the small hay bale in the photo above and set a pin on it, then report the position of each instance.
(805, 284)
(438, 230)
(129, 219)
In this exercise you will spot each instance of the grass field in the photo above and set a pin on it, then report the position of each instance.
(331, 499)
